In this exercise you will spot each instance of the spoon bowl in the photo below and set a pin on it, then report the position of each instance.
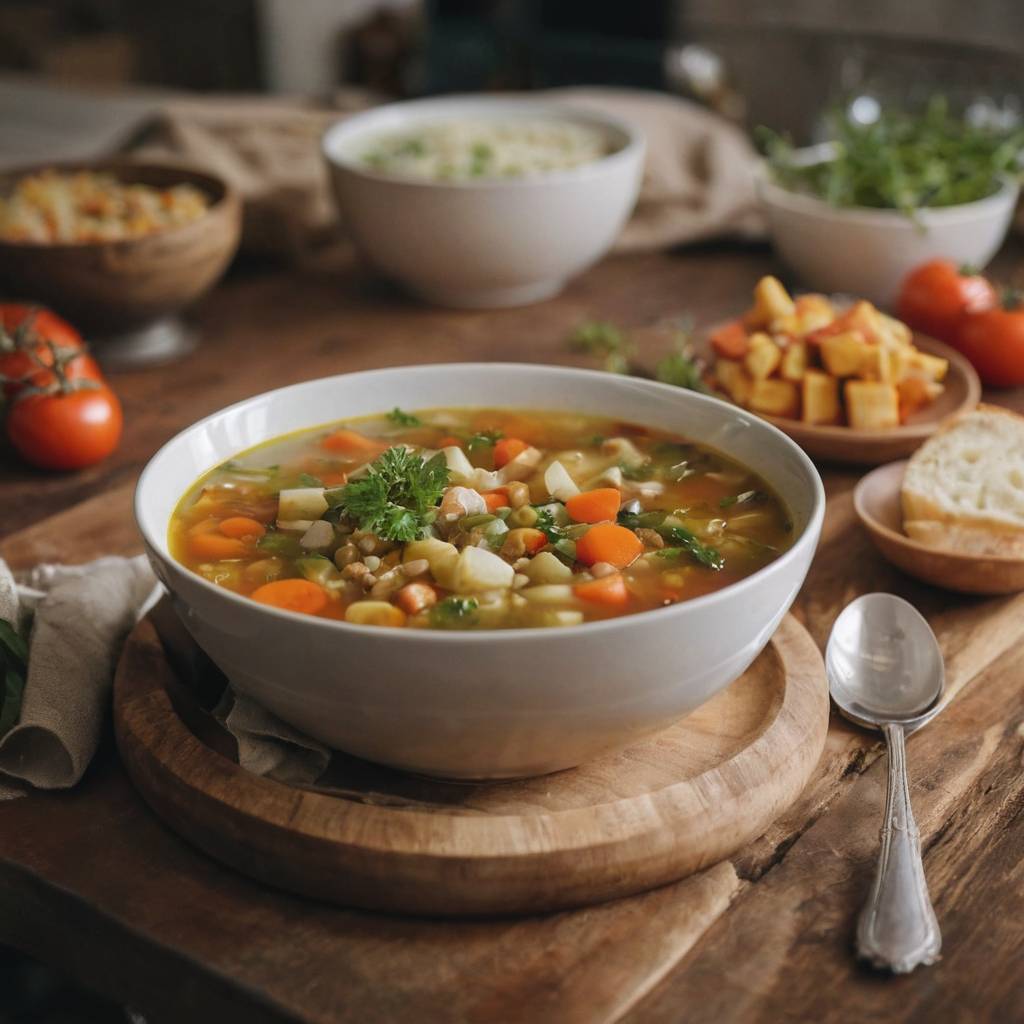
(884, 664)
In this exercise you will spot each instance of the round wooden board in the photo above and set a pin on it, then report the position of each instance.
(661, 809)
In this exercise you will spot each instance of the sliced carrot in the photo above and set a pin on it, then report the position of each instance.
(216, 546)
(594, 506)
(449, 442)
(414, 597)
(241, 526)
(506, 449)
(350, 442)
(533, 539)
(292, 595)
(730, 341)
(609, 590)
(495, 499)
(611, 543)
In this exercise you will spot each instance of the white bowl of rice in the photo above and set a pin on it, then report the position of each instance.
(483, 202)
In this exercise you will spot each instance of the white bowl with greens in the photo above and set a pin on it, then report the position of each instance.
(480, 202)
(856, 215)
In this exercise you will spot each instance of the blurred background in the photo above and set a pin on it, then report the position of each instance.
(774, 62)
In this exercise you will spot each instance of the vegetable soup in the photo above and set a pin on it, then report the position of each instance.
(478, 519)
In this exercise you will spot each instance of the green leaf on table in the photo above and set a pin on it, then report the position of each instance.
(14, 686)
(12, 643)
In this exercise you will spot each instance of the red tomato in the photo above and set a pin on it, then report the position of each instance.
(937, 295)
(65, 430)
(16, 348)
(994, 342)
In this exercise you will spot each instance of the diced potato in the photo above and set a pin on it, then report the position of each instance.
(440, 555)
(734, 380)
(820, 398)
(895, 332)
(883, 363)
(374, 613)
(794, 361)
(871, 405)
(915, 393)
(844, 354)
(763, 357)
(929, 367)
(551, 593)
(546, 568)
(771, 300)
(813, 311)
(775, 397)
(558, 617)
(788, 325)
(730, 340)
(479, 569)
(301, 503)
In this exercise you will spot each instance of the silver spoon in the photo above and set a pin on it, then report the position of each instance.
(885, 672)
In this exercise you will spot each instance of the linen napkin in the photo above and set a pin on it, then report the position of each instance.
(79, 616)
(698, 182)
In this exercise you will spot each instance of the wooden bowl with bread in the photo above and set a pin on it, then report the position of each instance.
(105, 280)
(953, 515)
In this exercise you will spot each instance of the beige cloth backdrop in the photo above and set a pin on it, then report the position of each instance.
(698, 181)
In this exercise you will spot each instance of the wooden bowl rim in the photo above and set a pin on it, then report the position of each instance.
(221, 193)
(875, 526)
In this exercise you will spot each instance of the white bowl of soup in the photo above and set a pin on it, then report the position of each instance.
(478, 202)
(560, 561)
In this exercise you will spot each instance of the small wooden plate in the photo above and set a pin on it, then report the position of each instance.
(873, 447)
(877, 502)
(382, 840)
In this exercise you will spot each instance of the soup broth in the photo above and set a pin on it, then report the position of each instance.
(478, 519)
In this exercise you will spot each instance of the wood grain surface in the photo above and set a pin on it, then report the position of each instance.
(625, 823)
(92, 880)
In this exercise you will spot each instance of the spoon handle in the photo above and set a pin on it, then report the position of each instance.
(897, 927)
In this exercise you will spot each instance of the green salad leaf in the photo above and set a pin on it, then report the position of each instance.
(395, 497)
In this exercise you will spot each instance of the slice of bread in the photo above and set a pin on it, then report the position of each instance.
(964, 487)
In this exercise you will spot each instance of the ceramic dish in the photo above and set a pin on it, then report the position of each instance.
(877, 503)
(119, 285)
(486, 243)
(868, 252)
(484, 703)
(874, 447)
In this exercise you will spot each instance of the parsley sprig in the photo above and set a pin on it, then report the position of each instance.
(394, 498)
(404, 419)
(682, 541)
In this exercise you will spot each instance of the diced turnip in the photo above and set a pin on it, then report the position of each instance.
(440, 555)
(558, 482)
(549, 593)
(295, 525)
(301, 503)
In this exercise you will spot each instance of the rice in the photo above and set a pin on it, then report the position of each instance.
(475, 150)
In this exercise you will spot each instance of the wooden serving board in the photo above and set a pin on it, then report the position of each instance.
(382, 840)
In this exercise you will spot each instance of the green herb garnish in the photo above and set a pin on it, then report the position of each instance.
(455, 612)
(483, 439)
(306, 480)
(641, 471)
(600, 338)
(394, 498)
(682, 541)
(902, 160)
(13, 669)
(284, 545)
(404, 419)
(547, 525)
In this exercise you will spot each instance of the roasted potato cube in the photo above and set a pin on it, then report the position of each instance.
(734, 380)
(763, 357)
(813, 311)
(843, 354)
(820, 393)
(894, 332)
(794, 361)
(871, 405)
(915, 393)
(730, 340)
(884, 364)
(775, 397)
(930, 367)
(771, 300)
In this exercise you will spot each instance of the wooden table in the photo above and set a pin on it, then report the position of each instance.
(91, 881)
